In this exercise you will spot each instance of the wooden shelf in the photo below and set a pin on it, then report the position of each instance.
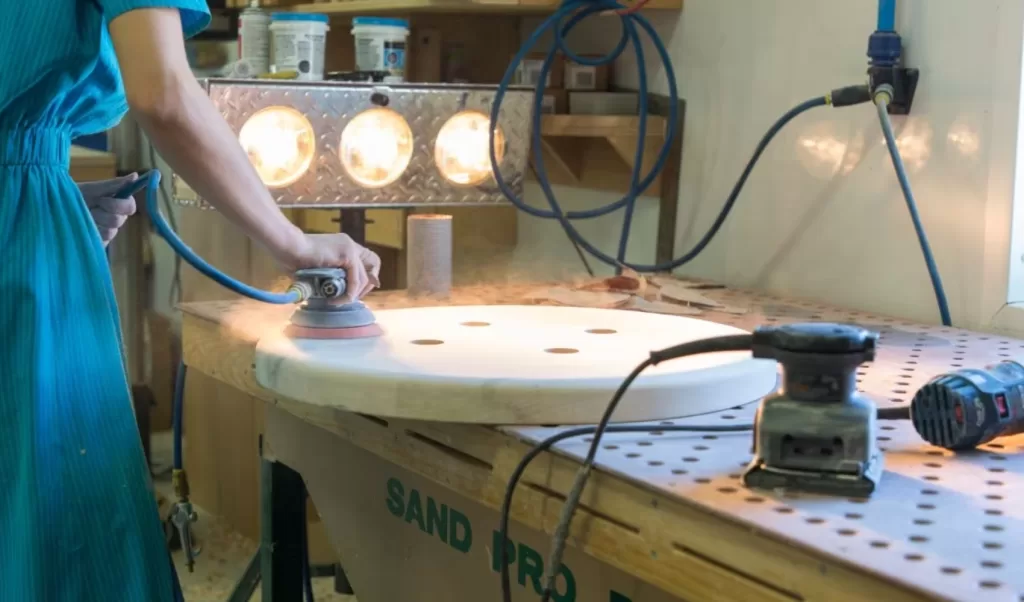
(378, 7)
(598, 151)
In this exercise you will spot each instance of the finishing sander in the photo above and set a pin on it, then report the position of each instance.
(818, 434)
(323, 314)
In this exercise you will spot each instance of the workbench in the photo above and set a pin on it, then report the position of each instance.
(411, 508)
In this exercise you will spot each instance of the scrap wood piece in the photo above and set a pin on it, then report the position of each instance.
(596, 299)
(662, 307)
(682, 294)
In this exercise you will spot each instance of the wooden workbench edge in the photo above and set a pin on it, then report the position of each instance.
(673, 544)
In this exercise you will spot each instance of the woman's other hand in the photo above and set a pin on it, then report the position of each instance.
(109, 212)
(339, 251)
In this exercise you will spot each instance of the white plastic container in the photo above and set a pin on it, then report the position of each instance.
(380, 45)
(299, 41)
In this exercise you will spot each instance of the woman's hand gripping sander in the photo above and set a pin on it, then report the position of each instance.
(332, 273)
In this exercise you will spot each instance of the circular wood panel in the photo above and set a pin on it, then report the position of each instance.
(513, 365)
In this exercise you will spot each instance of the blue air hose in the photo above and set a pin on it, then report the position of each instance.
(587, 8)
(151, 181)
(886, 15)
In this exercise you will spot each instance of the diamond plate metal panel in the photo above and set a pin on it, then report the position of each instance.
(331, 106)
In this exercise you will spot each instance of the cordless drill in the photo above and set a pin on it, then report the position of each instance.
(967, 408)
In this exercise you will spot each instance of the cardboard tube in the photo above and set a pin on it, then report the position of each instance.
(429, 255)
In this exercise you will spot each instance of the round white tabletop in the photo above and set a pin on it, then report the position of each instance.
(514, 365)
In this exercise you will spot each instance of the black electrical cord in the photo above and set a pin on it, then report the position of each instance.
(740, 342)
(546, 444)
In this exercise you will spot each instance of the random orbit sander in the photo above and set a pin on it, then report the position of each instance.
(321, 315)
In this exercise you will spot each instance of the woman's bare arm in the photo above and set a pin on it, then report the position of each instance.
(190, 134)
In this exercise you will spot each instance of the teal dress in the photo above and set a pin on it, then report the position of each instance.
(78, 520)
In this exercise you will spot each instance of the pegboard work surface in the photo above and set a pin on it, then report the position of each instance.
(948, 524)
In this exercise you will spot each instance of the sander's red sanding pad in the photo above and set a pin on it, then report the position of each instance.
(355, 332)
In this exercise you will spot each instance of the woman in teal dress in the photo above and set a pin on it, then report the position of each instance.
(78, 521)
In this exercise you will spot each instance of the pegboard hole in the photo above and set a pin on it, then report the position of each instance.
(922, 521)
(991, 564)
(854, 516)
(994, 512)
(926, 506)
(993, 496)
(879, 544)
(992, 545)
(633, 455)
(918, 538)
(933, 465)
(994, 483)
(931, 477)
(611, 447)
(754, 500)
(562, 350)
(644, 443)
(602, 331)
(691, 459)
(991, 585)
(655, 463)
(476, 324)
(929, 492)
(994, 528)
(784, 510)
(814, 520)
(951, 570)
(700, 447)
(428, 342)
(847, 532)
(679, 471)
(913, 557)
(702, 480)
(710, 437)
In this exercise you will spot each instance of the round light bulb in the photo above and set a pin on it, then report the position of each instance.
(280, 143)
(376, 147)
(462, 150)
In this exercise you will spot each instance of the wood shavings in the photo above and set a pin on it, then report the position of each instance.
(661, 307)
